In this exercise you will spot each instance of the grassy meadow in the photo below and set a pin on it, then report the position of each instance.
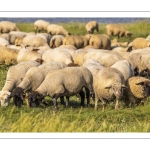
(76, 118)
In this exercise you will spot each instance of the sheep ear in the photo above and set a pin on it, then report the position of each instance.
(140, 83)
(108, 87)
(129, 49)
(123, 86)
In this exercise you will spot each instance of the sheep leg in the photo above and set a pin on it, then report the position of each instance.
(82, 97)
(26, 99)
(62, 100)
(55, 97)
(117, 104)
(67, 101)
(87, 96)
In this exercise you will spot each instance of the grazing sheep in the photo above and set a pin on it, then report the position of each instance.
(140, 61)
(8, 56)
(115, 43)
(138, 90)
(40, 25)
(5, 36)
(7, 26)
(125, 68)
(71, 47)
(100, 41)
(77, 41)
(93, 65)
(139, 43)
(58, 55)
(35, 41)
(56, 41)
(25, 55)
(117, 30)
(108, 85)
(78, 58)
(91, 26)
(32, 80)
(14, 76)
(45, 36)
(68, 81)
(104, 58)
(55, 29)
(18, 41)
(3, 42)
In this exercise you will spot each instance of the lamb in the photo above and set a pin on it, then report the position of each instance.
(8, 56)
(7, 26)
(108, 85)
(36, 74)
(77, 41)
(100, 41)
(40, 25)
(138, 90)
(140, 43)
(68, 81)
(91, 26)
(56, 41)
(125, 68)
(117, 30)
(14, 76)
(55, 29)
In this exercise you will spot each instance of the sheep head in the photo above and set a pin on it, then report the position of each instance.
(116, 89)
(18, 96)
(128, 34)
(4, 97)
(145, 85)
(35, 99)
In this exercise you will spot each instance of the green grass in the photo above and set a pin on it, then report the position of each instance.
(76, 118)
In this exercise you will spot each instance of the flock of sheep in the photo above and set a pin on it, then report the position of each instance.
(58, 64)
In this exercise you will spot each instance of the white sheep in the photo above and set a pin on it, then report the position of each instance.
(55, 29)
(8, 56)
(108, 85)
(93, 65)
(117, 30)
(56, 41)
(138, 90)
(106, 59)
(68, 81)
(139, 43)
(100, 41)
(71, 47)
(58, 55)
(125, 68)
(4, 42)
(5, 36)
(25, 55)
(77, 40)
(40, 25)
(14, 76)
(7, 26)
(91, 26)
(35, 41)
(32, 80)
